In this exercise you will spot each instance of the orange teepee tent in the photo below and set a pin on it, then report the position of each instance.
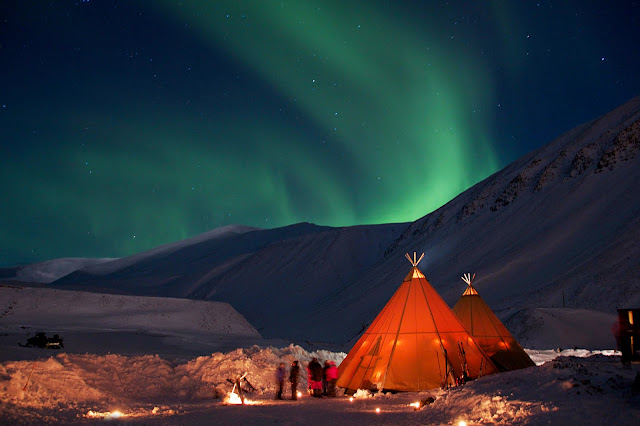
(488, 331)
(415, 343)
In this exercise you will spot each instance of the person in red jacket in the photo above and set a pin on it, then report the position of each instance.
(332, 378)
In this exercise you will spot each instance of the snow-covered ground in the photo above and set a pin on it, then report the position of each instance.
(149, 389)
(167, 361)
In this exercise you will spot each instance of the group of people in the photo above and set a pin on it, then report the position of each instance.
(321, 380)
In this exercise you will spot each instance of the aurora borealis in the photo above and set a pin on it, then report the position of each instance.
(130, 124)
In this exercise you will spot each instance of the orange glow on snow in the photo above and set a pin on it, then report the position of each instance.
(116, 414)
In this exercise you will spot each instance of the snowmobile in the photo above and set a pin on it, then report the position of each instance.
(40, 340)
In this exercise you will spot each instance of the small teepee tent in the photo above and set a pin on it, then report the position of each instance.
(488, 331)
(415, 343)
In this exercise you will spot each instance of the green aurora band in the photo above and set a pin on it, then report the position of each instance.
(386, 132)
(396, 104)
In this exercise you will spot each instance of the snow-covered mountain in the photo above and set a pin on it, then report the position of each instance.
(52, 270)
(556, 229)
(49, 270)
(274, 277)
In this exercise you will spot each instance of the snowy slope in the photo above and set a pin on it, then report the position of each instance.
(543, 328)
(102, 323)
(41, 307)
(208, 238)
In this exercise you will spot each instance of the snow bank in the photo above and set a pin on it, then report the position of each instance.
(62, 309)
(541, 356)
(75, 387)
(77, 384)
(594, 390)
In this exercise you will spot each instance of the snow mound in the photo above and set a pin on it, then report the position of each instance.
(547, 355)
(594, 390)
(83, 383)
(64, 388)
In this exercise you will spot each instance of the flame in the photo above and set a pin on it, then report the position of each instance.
(378, 410)
(299, 394)
(234, 399)
(351, 399)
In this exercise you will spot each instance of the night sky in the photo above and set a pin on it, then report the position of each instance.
(128, 124)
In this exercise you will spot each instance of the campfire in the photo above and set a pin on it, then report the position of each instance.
(236, 396)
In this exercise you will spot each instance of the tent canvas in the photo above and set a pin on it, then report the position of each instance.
(488, 330)
(415, 343)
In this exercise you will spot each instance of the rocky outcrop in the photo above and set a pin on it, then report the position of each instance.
(625, 147)
(583, 159)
